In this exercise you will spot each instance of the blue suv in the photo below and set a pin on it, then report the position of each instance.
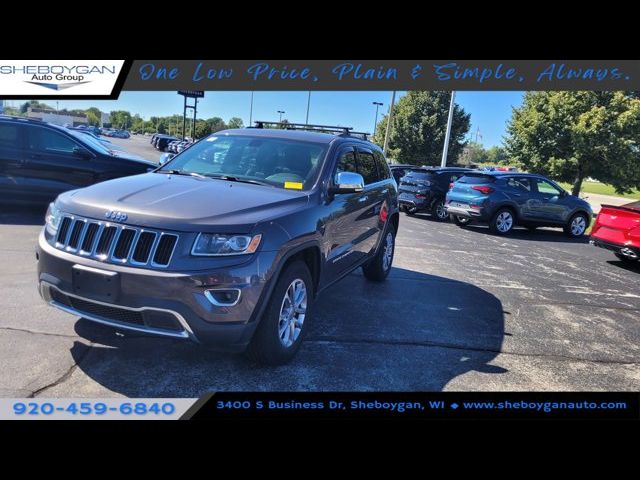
(506, 199)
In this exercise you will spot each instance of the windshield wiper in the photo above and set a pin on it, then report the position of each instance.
(180, 172)
(240, 180)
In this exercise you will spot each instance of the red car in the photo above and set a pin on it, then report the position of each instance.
(618, 229)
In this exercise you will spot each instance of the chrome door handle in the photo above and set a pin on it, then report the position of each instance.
(363, 199)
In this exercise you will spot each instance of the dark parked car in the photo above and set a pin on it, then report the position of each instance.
(424, 190)
(504, 200)
(228, 243)
(618, 229)
(161, 142)
(39, 160)
(400, 170)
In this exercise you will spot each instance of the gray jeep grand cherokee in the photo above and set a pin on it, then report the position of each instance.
(228, 243)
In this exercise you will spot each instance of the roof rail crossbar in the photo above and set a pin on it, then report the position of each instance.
(337, 129)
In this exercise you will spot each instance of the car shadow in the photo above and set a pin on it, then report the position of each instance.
(631, 267)
(413, 332)
(544, 234)
(22, 215)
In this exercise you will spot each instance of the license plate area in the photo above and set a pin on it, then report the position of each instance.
(464, 206)
(96, 284)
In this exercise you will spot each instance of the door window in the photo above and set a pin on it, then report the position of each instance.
(8, 135)
(45, 140)
(546, 188)
(367, 167)
(522, 184)
(383, 168)
(347, 162)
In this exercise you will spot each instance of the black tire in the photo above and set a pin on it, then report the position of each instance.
(379, 267)
(502, 221)
(438, 212)
(411, 211)
(578, 232)
(266, 346)
(460, 221)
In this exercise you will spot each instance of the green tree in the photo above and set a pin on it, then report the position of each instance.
(216, 124)
(418, 129)
(570, 136)
(34, 104)
(235, 122)
(203, 128)
(94, 116)
(120, 119)
(497, 155)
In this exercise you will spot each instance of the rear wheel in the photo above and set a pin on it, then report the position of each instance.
(380, 265)
(577, 225)
(438, 211)
(286, 318)
(411, 211)
(460, 221)
(502, 222)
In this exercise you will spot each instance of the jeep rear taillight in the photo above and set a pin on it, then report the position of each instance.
(482, 189)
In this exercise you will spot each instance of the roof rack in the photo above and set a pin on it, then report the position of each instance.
(16, 117)
(338, 130)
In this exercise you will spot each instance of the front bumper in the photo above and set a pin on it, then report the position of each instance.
(171, 304)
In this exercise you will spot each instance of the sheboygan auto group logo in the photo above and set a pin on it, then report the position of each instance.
(36, 78)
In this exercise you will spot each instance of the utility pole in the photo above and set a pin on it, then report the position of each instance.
(308, 104)
(281, 112)
(251, 110)
(389, 122)
(447, 134)
(375, 124)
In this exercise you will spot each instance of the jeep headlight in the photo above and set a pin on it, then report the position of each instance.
(213, 244)
(52, 219)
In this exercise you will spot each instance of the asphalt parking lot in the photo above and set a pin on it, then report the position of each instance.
(462, 310)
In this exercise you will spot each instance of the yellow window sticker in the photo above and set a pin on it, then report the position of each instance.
(293, 185)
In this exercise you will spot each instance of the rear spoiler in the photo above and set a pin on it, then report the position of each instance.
(623, 207)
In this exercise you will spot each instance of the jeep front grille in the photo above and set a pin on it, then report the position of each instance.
(119, 244)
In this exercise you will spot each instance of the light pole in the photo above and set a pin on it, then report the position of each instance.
(389, 122)
(281, 112)
(447, 134)
(251, 110)
(375, 124)
(308, 105)
(57, 108)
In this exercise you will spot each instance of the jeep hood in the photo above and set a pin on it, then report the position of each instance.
(181, 203)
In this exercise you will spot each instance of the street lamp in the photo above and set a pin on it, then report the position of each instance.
(378, 105)
(281, 112)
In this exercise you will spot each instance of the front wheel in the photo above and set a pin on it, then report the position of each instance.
(380, 265)
(286, 318)
(577, 225)
(627, 260)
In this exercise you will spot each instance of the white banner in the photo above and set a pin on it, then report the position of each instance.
(58, 77)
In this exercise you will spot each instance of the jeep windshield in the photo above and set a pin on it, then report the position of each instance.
(271, 161)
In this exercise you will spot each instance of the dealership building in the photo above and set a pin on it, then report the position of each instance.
(51, 116)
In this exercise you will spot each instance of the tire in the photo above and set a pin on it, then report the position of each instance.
(577, 225)
(411, 211)
(502, 222)
(379, 267)
(273, 343)
(460, 221)
(438, 212)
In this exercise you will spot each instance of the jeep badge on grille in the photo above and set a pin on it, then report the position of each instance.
(117, 216)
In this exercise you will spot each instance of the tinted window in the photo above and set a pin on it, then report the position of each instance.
(477, 179)
(546, 187)
(43, 139)
(413, 175)
(8, 135)
(347, 162)
(519, 184)
(367, 167)
(383, 168)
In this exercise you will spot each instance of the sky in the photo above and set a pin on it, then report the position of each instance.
(489, 110)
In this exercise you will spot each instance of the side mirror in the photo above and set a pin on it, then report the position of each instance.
(165, 157)
(81, 152)
(347, 182)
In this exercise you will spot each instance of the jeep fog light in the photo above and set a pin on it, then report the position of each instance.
(224, 297)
